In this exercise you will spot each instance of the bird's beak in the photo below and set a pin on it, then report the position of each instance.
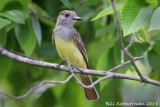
(77, 18)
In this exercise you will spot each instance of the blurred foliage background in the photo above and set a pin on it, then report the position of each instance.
(30, 34)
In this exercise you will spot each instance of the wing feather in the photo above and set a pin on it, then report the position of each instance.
(77, 39)
(53, 41)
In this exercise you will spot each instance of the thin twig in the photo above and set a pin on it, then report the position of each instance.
(119, 25)
(79, 5)
(36, 87)
(122, 45)
(122, 56)
(94, 83)
(123, 64)
(131, 42)
(46, 17)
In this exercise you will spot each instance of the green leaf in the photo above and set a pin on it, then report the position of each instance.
(15, 15)
(117, 53)
(3, 36)
(136, 15)
(4, 22)
(102, 62)
(155, 74)
(70, 92)
(106, 61)
(30, 45)
(155, 21)
(3, 3)
(66, 3)
(46, 99)
(25, 2)
(37, 9)
(154, 3)
(106, 29)
(154, 60)
(142, 36)
(46, 49)
(156, 38)
(139, 48)
(36, 28)
(23, 34)
(5, 65)
(107, 11)
(156, 48)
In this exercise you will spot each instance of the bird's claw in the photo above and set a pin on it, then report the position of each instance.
(73, 67)
(57, 67)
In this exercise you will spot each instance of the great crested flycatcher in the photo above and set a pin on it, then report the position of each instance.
(69, 45)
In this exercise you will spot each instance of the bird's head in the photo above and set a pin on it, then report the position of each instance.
(67, 18)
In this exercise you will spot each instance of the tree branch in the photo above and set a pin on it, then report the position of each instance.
(57, 82)
(122, 45)
(44, 64)
(106, 74)
(131, 42)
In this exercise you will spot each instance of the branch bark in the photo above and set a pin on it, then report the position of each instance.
(44, 64)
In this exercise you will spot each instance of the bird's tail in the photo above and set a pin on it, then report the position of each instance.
(91, 94)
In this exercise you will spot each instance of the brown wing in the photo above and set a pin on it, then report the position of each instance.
(77, 39)
(53, 41)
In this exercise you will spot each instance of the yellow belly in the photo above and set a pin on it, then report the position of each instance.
(68, 48)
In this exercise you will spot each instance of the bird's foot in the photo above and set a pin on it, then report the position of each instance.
(73, 67)
(57, 67)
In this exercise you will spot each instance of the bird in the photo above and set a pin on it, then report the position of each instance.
(69, 45)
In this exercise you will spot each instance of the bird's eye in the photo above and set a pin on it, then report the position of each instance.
(66, 15)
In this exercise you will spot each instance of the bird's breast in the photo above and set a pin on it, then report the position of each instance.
(65, 33)
(68, 49)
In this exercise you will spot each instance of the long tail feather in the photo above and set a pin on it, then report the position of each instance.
(91, 94)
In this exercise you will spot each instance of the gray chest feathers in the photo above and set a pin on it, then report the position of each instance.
(65, 33)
